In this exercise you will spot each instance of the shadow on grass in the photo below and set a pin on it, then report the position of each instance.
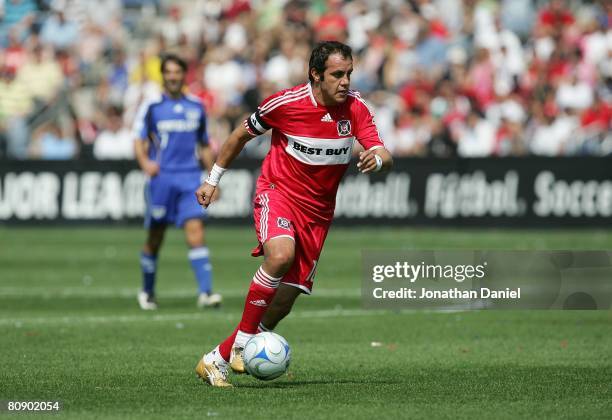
(291, 384)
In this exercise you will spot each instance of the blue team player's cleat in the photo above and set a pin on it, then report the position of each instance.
(212, 300)
(147, 301)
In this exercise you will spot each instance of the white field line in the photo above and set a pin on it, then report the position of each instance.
(118, 292)
(204, 316)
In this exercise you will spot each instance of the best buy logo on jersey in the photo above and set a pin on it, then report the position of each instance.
(316, 151)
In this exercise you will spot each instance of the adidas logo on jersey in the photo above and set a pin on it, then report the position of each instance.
(259, 302)
(327, 118)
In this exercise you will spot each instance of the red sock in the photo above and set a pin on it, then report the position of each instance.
(262, 290)
(225, 347)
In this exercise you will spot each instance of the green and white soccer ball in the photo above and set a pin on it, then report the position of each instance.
(266, 356)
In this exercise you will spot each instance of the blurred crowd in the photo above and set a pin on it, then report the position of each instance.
(444, 77)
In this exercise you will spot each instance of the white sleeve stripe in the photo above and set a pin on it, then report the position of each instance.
(281, 97)
(249, 129)
(143, 108)
(363, 102)
(358, 97)
(139, 118)
(292, 99)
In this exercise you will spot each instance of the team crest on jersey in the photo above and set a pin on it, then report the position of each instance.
(193, 114)
(283, 223)
(178, 108)
(344, 127)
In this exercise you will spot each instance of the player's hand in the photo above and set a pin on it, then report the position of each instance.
(150, 168)
(205, 194)
(367, 161)
(216, 194)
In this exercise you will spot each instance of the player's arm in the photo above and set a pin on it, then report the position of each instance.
(375, 160)
(204, 151)
(141, 145)
(234, 145)
(149, 167)
(230, 149)
(207, 158)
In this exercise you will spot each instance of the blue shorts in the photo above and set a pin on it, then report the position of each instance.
(170, 198)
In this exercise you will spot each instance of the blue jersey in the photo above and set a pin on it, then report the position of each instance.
(174, 127)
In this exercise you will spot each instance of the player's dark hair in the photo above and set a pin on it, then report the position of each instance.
(321, 53)
(175, 59)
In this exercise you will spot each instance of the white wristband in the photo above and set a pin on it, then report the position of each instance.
(379, 163)
(215, 175)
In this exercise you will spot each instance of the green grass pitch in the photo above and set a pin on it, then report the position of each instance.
(70, 330)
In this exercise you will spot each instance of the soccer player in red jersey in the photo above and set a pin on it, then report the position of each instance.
(314, 128)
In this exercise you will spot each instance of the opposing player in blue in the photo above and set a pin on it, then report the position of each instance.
(172, 143)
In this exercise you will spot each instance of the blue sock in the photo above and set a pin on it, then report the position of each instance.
(198, 257)
(148, 265)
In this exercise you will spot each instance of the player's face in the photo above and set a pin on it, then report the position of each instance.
(337, 78)
(174, 78)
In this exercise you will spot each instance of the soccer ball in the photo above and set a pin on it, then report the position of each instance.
(266, 356)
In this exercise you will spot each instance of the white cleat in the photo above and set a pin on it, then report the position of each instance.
(213, 373)
(209, 301)
(146, 301)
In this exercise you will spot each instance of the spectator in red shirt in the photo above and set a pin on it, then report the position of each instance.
(15, 54)
(555, 17)
(333, 25)
(598, 117)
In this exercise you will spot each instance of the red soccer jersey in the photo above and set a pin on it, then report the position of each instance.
(311, 145)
